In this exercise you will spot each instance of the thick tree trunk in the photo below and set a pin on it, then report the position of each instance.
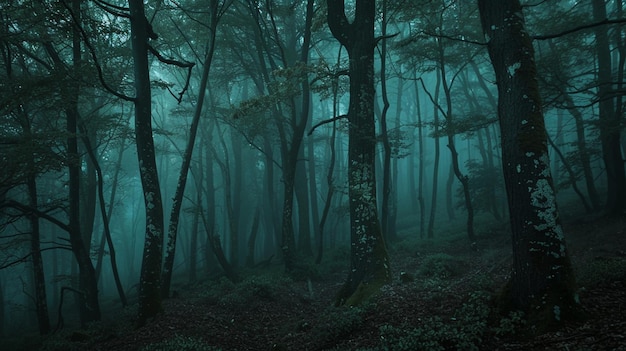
(542, 283)
(150, 278)
(369, 261)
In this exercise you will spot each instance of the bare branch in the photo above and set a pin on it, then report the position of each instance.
(113, 9)
(579, 28)
(188, 65)
(384, 37)
(29, 210)
(94, 57)
(326, 122)
(25, 258)
(462, 40)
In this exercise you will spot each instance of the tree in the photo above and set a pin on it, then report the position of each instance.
(215, 10)
(609, 119)
(149, 283)
(542, 282)
(369, 260)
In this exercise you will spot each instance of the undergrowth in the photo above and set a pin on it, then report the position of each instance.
(180, 343)
(464, 331)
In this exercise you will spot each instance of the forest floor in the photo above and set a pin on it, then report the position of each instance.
(441, 299)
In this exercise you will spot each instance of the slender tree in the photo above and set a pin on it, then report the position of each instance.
(609, 119)
(215, 10)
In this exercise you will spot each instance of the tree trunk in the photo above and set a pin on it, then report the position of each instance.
(542, 283)
(172, 228)
(369, 261)
(302, 197)
(609, 120)
(420, 147)
(433, 200)
(150, 278)
(387, 185)
(88, 284)
(39, 281)
(329, 175)
(450, 127)
(254, 230)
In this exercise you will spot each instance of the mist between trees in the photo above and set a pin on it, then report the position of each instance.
(149, 146)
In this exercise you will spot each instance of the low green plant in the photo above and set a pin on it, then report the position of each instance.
(180, 343)
(602, 269)
(337, 323)
(464, 331)
(441, 266)
(510, 324)
(266, 286)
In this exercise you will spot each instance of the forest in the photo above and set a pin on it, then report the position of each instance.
(312, 175)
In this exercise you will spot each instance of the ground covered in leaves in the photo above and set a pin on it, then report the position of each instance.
(441, 299)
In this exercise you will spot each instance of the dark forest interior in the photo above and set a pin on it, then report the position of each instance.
(312, 175)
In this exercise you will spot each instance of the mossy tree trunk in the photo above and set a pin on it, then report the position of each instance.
(369, 259)
(542, 282)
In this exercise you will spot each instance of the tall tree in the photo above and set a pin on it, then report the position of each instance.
(88, 283)
(369, 260)
(150, 278)
(215, 10)
(609, 119)
(542, 283)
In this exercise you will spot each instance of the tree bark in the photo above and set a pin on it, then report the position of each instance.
(150, 277)
(542, 282)
(369, 261)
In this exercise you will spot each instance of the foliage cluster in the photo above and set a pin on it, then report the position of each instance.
(264, 286)
(75, 340)
(339, 322)
(602, 269)
(441, 266)
(462, 332)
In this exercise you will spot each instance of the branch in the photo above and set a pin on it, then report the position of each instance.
(118, 10)
(29, 210)
(384, 37)
(102, 4)
(326, 122)
(579, 28)
(92, 51)
(24, 258)
(432, 99)
(188, 65)
(443, 36)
